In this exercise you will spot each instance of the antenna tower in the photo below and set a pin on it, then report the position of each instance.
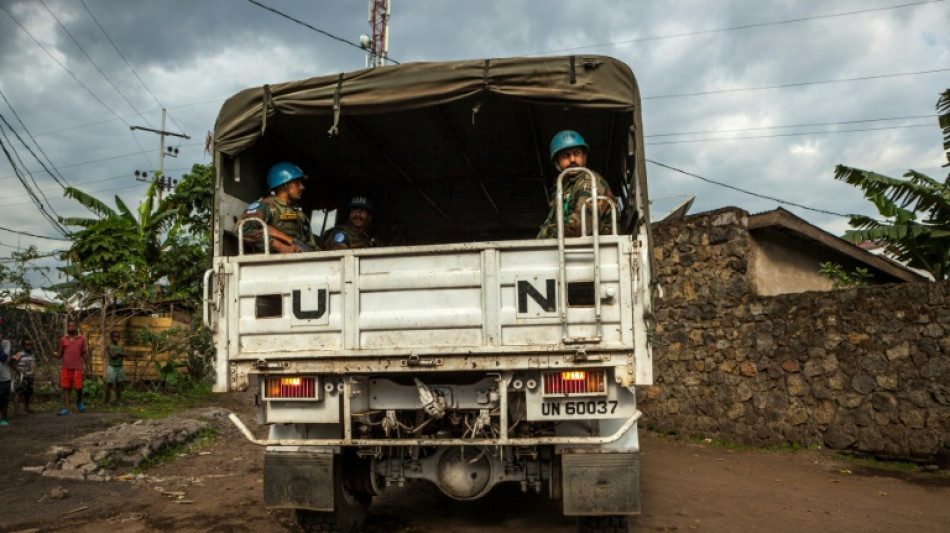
(377, 46)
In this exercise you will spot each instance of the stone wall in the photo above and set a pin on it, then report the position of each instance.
(861, 369)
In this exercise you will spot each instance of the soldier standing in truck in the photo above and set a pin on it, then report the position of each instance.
(355, 232)
(569, 150)
(288, 228)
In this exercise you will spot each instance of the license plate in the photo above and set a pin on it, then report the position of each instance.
(581, 409)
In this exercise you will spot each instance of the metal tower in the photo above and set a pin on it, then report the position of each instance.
(378, 44)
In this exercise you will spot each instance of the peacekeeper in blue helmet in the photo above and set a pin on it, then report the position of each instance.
(568, 150)
(288, 227)
(355, 232)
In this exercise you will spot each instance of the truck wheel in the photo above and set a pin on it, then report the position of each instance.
(350, 508)
(602, 524)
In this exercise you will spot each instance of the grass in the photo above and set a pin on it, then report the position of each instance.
(153, 404)
(734, 446)
(889, 465)
(170, 453)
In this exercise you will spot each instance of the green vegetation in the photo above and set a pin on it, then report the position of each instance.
(147, 402)
(170, 453)
(844, 280)
(916, 229)
(889, 465)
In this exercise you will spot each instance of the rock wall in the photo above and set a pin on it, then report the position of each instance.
(862, 369)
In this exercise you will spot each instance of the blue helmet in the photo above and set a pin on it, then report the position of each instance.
(566, 139)
(282, 173)
(360, 201)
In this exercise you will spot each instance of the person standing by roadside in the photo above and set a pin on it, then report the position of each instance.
(25, 368)
(115, 374)
(5, 379)
(73, 351)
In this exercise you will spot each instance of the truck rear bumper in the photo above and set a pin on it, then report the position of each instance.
(504, 440)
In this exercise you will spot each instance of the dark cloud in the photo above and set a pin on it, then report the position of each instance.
(193, 54)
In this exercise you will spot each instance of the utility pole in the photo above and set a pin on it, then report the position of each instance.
(377, 45)
(163, 182)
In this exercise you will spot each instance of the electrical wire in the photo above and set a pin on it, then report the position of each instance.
(91, 60)
(28, 234)
(73, 76)
(744, 191)
(860, 121)
(110, 158)
(798, 84)
(53, 221)
(318, 30)
(733, 28)
(798, 134)
(61, 180)
(127, 63)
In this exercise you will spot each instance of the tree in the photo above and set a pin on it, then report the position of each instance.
(916, 229)
(117, 252)
(188, 244)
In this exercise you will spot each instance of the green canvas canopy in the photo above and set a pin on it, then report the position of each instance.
(448, 151)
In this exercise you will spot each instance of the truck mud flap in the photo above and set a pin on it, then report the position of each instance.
(600, 483)
(297, 480)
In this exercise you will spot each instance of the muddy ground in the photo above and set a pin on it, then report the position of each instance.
(685, 487)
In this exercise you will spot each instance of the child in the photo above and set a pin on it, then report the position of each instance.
(115, 374)
(25, 367)
(73, 351)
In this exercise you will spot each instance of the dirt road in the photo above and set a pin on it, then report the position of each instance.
(685, 487)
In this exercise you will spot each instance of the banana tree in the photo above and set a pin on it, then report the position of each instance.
(916, 229)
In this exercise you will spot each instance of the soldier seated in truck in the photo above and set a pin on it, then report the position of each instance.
(288, 227)
(355, 232)
(568, 150)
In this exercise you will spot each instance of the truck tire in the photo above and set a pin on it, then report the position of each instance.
(349, 512)
(602, 524)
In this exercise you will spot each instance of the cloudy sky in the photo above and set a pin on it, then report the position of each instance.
(761, 95)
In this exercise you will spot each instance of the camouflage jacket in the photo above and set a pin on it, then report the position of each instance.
(346, 236)
(276, 213)
(577, 193)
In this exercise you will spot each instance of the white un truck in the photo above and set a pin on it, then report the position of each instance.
(460, 351)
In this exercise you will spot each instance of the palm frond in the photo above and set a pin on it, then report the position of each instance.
(943, 107)
(89, 202)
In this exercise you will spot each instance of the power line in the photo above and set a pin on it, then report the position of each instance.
(798, 84)
(318, 30)
(744, 191)
(807, 125)
(733, 28)
(110, 158)
(128, 64)
(64, 181)
(32, 234)
(55, 223)
(91, 60)
(73, 76)
(790, 134)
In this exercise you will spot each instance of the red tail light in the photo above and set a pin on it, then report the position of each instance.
(290, 388)
(575, 383)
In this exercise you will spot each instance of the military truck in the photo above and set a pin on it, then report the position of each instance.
(462, 351)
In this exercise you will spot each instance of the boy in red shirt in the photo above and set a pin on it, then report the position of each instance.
(73, 351)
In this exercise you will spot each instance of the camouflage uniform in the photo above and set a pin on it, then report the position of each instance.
(347, 236)
(276, 213)
(577, 192)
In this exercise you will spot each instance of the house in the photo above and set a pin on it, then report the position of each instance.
(775, 251)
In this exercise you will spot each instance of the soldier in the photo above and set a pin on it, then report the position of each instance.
(287, 225)
(568, 150)
(354, 233)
